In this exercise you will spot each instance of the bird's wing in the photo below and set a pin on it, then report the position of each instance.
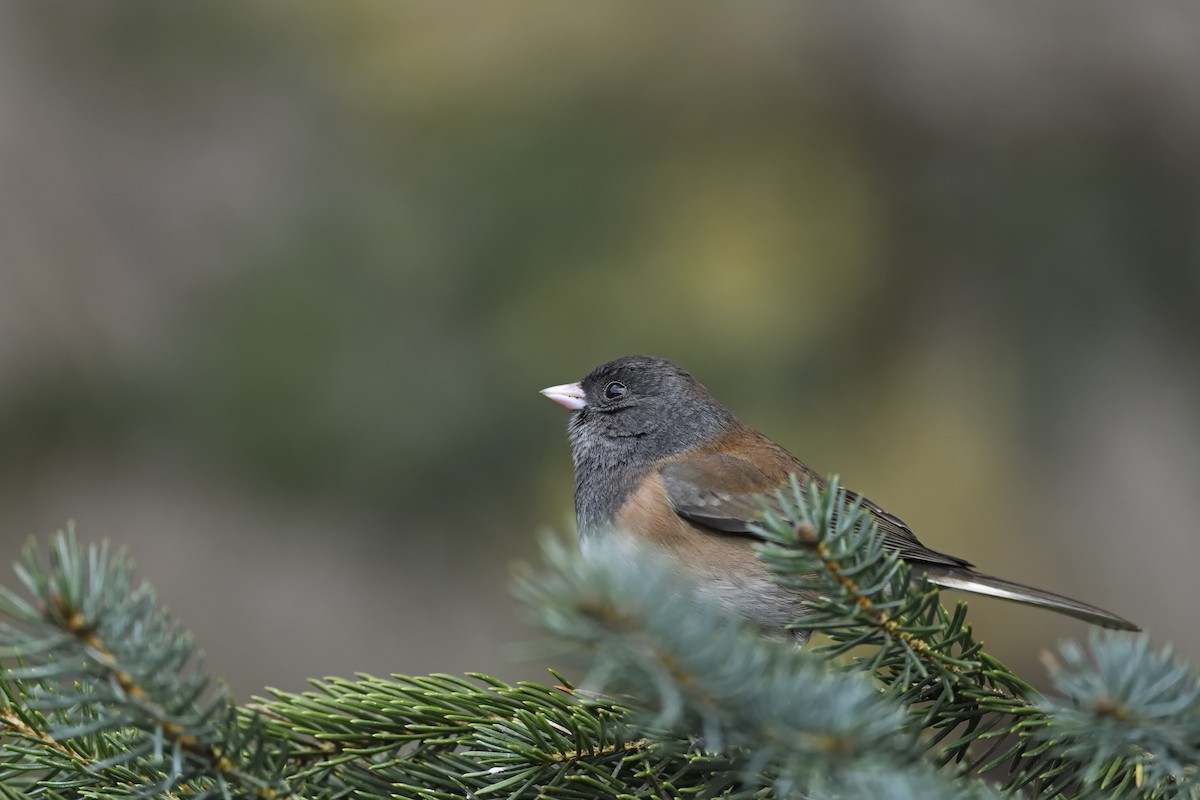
(725, 493)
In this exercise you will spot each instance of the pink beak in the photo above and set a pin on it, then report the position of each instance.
(568, 395)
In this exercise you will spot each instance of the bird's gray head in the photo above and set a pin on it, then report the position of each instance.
(627, 415)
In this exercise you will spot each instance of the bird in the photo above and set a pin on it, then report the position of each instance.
(660, 462)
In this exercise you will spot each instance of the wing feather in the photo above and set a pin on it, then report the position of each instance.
(725, 493)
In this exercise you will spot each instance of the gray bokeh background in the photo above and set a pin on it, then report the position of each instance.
(279, 283)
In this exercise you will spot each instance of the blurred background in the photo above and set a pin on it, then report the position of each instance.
(279, 283)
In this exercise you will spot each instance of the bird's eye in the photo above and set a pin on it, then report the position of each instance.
(614, 390)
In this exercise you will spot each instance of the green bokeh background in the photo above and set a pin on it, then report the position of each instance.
(279, 283)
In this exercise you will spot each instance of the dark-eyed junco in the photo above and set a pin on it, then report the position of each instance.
(659, 459)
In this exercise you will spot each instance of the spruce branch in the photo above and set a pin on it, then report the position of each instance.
(103, 696)
(108, 695)
(822, 540)
(442, 736)
(783, 716)
(1129, 715)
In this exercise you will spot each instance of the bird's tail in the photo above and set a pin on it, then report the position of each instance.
(970, 581)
